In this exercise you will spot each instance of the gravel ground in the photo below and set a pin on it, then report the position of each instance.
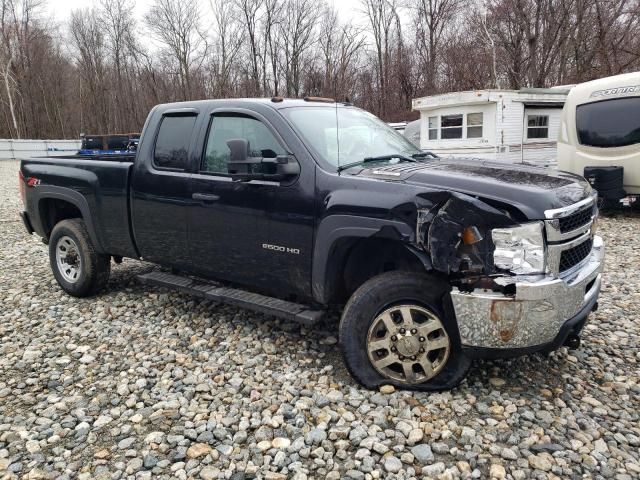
(145, 383)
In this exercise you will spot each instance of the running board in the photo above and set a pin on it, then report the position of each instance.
(233, 296)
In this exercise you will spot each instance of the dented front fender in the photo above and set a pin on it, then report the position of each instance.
(440, 232)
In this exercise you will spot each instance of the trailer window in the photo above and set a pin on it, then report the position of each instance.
(537, 126)
(609, 123)
(172, 143)
(451, 126)
(433, 128)
(474, 125)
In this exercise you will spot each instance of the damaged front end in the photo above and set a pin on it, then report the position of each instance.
(517, 285)
(456, 233)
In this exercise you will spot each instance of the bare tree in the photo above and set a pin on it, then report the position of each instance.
(101, 77)
(119, 29)
(297, 34)
(340, 47)
(88, 38)
(617, 23)
(273, 10)
(21, 41)
(250, 11)
(176, 25)
(381, 15)
(227, 43)
(432, 18)
(531, 36)
(9, 83)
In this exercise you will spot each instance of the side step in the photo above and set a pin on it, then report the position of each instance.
(241, 298)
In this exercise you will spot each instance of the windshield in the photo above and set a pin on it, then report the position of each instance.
(360, 134)
(610, 123)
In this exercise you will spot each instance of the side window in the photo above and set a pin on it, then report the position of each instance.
(474, 125)
(537, 126)
(451, 126)
(225, 127)
(433, 128)
(172, 143)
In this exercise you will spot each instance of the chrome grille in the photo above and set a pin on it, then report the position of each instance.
(573, 256)
(576, 220)
(571, 221)
(569, 238)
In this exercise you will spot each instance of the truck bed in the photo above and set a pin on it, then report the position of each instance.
(98, 187)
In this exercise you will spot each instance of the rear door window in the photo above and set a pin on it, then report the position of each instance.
(609, 123)
(172, 144)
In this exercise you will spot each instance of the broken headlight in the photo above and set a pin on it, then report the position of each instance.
(519, 249)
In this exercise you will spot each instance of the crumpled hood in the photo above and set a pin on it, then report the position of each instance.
(530, 189)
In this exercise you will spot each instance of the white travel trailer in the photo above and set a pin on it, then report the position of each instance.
(600, 133)
(517, 126)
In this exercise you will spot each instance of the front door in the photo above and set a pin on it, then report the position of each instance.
(230, 222)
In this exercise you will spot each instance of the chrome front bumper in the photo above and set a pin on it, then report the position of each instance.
(535, 315)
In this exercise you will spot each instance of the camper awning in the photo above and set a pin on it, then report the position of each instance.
(543, 104)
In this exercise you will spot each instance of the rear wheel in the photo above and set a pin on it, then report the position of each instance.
(76, 266)
(394, 330)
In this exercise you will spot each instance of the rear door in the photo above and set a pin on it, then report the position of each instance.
(161, 190)
(232, 225)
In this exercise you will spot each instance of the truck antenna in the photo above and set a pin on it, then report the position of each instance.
(335, 91)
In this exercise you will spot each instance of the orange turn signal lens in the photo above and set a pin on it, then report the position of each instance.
(471, 235)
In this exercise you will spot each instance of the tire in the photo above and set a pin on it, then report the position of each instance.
(381, 298)
(614, 194)
(604, 174)
(76, 266)
(610, 185)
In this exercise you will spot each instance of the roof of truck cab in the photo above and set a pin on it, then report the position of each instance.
(248, 102)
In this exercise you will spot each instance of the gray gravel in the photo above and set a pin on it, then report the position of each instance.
(144, 383)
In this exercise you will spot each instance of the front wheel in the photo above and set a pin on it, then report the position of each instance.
(76, 266)
(394, 330)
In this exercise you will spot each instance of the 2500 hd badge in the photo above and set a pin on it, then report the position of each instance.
(432, 262)
(280, 248)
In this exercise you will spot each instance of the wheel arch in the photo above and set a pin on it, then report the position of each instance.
(58, 203)
(350, 250)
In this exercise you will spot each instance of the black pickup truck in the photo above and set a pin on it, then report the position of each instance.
(296, 207)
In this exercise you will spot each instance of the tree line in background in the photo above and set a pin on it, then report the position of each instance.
(99, 73)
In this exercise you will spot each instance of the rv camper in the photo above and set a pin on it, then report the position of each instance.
(600, 137)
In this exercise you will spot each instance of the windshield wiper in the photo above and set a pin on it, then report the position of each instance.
(376, 159)
(424, 155)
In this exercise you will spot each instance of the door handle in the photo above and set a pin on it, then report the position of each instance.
(205, 197)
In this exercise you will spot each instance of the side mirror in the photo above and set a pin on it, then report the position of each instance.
(286, 167)
(240, 161)
(239, 149)
(243, 167)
